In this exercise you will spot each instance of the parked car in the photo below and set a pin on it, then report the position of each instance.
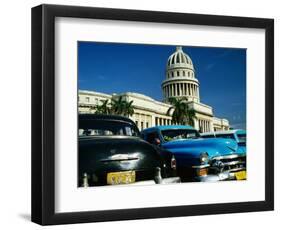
(111, 152)
(199, 159)
(239, 135)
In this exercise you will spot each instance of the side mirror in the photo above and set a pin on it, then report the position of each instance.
(157, 141)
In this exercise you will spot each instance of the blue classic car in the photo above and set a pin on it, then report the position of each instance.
(199, 159)
(239, 135)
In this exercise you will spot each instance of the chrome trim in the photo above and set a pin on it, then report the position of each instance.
(232, 156)
(170, 180)
(233, 163)
(236, 170)
(121, 157)
(200, 166)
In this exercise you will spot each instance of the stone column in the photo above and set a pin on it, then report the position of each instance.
(211, 126)
(204, 126)
(194, 92)
(196, 124)
(168, 91)
(180, 85)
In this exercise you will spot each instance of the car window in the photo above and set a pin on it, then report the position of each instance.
(101, 127)
(176, 134)
(150, 137)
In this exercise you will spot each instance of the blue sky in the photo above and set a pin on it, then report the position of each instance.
(116, 67)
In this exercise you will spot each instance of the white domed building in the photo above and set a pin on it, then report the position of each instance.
(180, 82)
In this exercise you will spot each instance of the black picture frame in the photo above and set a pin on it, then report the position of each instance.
(43, 110)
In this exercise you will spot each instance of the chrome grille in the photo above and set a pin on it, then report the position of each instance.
(228, 163)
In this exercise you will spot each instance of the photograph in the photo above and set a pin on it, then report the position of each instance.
(158, 114)
(140, 114)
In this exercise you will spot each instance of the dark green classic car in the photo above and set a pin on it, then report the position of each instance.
(111, 152)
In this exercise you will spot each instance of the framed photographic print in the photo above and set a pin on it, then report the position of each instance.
(141, 114)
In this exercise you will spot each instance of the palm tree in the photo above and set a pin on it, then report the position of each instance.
(103, 108)
(122, 107)
(129, 109)
(117, 106)
(182, 114)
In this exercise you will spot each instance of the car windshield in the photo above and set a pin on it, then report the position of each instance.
(227, 136)
(242, 138)
(208, 136)
(178, 134)
(101, 127)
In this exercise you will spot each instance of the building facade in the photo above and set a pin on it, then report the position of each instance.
(180, 82)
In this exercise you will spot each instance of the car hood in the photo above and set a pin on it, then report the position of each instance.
(194, 147)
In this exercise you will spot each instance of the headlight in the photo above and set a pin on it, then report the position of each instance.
(204, 158)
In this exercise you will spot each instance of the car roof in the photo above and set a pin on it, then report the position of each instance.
(104, 117)
(238, 131)
(167, 127)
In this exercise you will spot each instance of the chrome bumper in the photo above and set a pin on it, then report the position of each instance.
(214, 177)
(230, 175)
(170, 180)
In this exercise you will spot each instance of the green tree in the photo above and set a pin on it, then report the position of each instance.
(103, 108)
(122, 107)
(129, 109)
(182, 113)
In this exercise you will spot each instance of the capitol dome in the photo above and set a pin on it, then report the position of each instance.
(179, 58)
(180, 79)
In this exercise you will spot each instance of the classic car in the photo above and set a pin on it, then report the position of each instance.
(111, 152)
(239, 135)
(199, 159)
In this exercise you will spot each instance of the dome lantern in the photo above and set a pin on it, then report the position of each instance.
(178, 48)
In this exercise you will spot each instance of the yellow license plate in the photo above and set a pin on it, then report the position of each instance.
(125, 177)
(241, 175)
